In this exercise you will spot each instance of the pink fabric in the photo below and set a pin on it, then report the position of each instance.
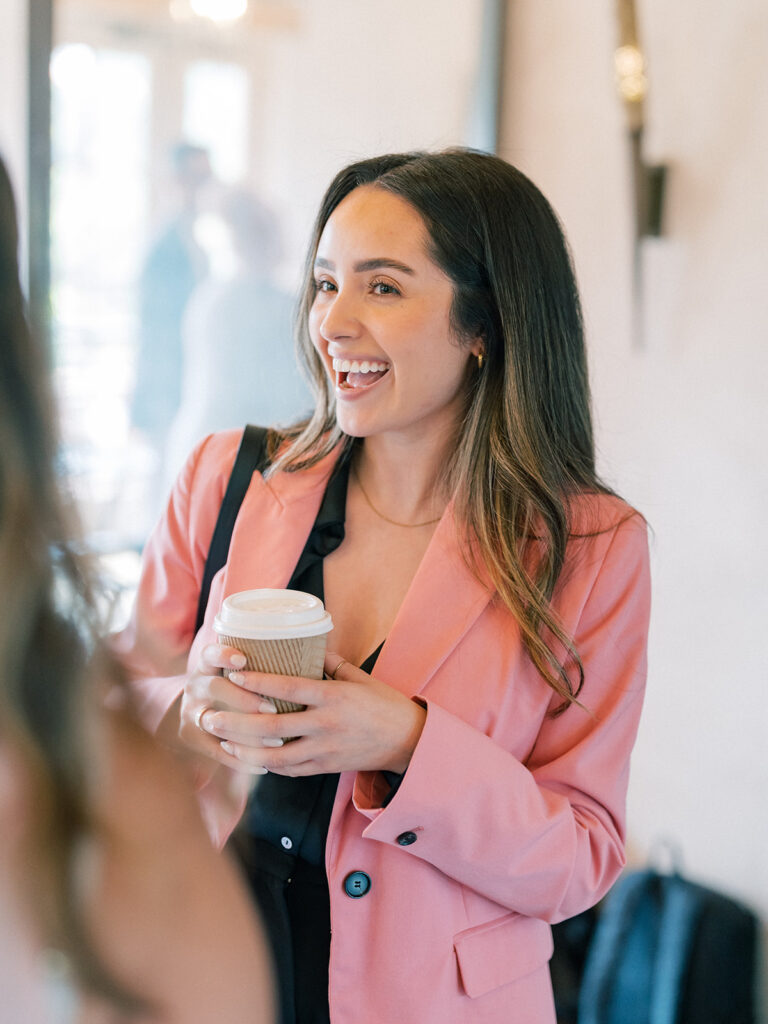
(519, 817)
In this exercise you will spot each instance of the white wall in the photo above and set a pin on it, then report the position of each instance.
(13, 91)
(363, 82)
(682, 424)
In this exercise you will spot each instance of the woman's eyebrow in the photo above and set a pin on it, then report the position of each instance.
(382, 261)
(376, 263)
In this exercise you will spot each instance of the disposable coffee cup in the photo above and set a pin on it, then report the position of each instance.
(279, 631)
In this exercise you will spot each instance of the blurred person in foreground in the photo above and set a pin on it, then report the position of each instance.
(113, 904)
(238, 354)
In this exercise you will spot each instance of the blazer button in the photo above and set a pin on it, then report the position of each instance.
(406, 838)
(357, 884)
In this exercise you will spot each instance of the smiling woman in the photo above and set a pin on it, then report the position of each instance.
(465, 787)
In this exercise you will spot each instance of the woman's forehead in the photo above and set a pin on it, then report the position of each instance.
(374, 217)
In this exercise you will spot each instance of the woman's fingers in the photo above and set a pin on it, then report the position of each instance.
(221, 702)
(289, 761)
(221, 691)
(296, 689)
(197, 731)
(351, 721)
(336, 667)
(264, 729)
(298, 757)
(250, 763)
(219, 656)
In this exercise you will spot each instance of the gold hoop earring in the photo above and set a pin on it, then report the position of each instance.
(479, 360)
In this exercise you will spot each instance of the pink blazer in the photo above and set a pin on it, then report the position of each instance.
(506, 820)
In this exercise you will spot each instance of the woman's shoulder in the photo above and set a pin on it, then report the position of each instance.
(602, 513)
(606, 536)
(202, 482)
(215, 454)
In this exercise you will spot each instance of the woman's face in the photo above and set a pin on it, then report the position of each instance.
(380, 321)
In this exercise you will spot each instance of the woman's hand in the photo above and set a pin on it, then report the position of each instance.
(351, 723)
(208, 693)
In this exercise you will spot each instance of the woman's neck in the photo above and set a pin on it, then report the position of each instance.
(402, 480)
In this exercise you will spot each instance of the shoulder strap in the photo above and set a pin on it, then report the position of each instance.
(251, 456)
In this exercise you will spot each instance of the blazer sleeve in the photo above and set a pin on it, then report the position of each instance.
(155, 644)
(544, 838)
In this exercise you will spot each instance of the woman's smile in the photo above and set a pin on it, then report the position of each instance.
(356, 374)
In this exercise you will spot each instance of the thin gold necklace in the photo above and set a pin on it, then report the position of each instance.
(392, 522)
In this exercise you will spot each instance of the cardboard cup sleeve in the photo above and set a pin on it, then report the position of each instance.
(302, 656)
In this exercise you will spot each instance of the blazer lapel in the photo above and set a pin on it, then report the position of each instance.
(272, 528)
(444, 600)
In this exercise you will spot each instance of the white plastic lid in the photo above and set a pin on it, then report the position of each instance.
(272, 615)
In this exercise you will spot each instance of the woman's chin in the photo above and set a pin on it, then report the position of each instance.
(351, 425)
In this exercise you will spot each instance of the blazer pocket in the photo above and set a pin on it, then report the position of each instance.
(493, 954)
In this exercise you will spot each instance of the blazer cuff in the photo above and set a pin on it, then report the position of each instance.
(374, 791)
(153, 698)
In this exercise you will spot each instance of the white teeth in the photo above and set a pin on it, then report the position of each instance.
(355, 366)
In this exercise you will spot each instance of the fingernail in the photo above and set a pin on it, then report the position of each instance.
(272, 742)
(229, 747)
(237, 677)
(267, 709)
(258, 771)
(238, 661)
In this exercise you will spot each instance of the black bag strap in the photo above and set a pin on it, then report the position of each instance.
(251, 456)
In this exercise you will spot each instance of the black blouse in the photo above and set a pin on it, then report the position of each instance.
(281, 838)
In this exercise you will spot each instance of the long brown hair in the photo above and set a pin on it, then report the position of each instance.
(48, 629)
(525, 446)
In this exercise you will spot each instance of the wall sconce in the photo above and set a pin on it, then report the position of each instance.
(648, 180)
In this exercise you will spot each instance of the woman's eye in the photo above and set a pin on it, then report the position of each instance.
(324, 285)
(384, 288)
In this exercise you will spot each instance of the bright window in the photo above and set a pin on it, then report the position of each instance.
(100, 128)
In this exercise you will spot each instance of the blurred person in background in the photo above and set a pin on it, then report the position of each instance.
(113, 904)
(238, 354)
(174, 266)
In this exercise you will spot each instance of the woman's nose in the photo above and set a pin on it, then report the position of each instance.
(340, 319)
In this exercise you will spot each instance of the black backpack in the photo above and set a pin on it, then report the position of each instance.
(665, 950)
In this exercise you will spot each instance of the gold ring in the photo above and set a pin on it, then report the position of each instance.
(342, 662)
(199, 714)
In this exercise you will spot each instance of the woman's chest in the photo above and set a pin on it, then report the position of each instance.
(365, 582)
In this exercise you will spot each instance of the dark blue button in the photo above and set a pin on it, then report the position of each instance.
(406, 838)
(357, 884)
